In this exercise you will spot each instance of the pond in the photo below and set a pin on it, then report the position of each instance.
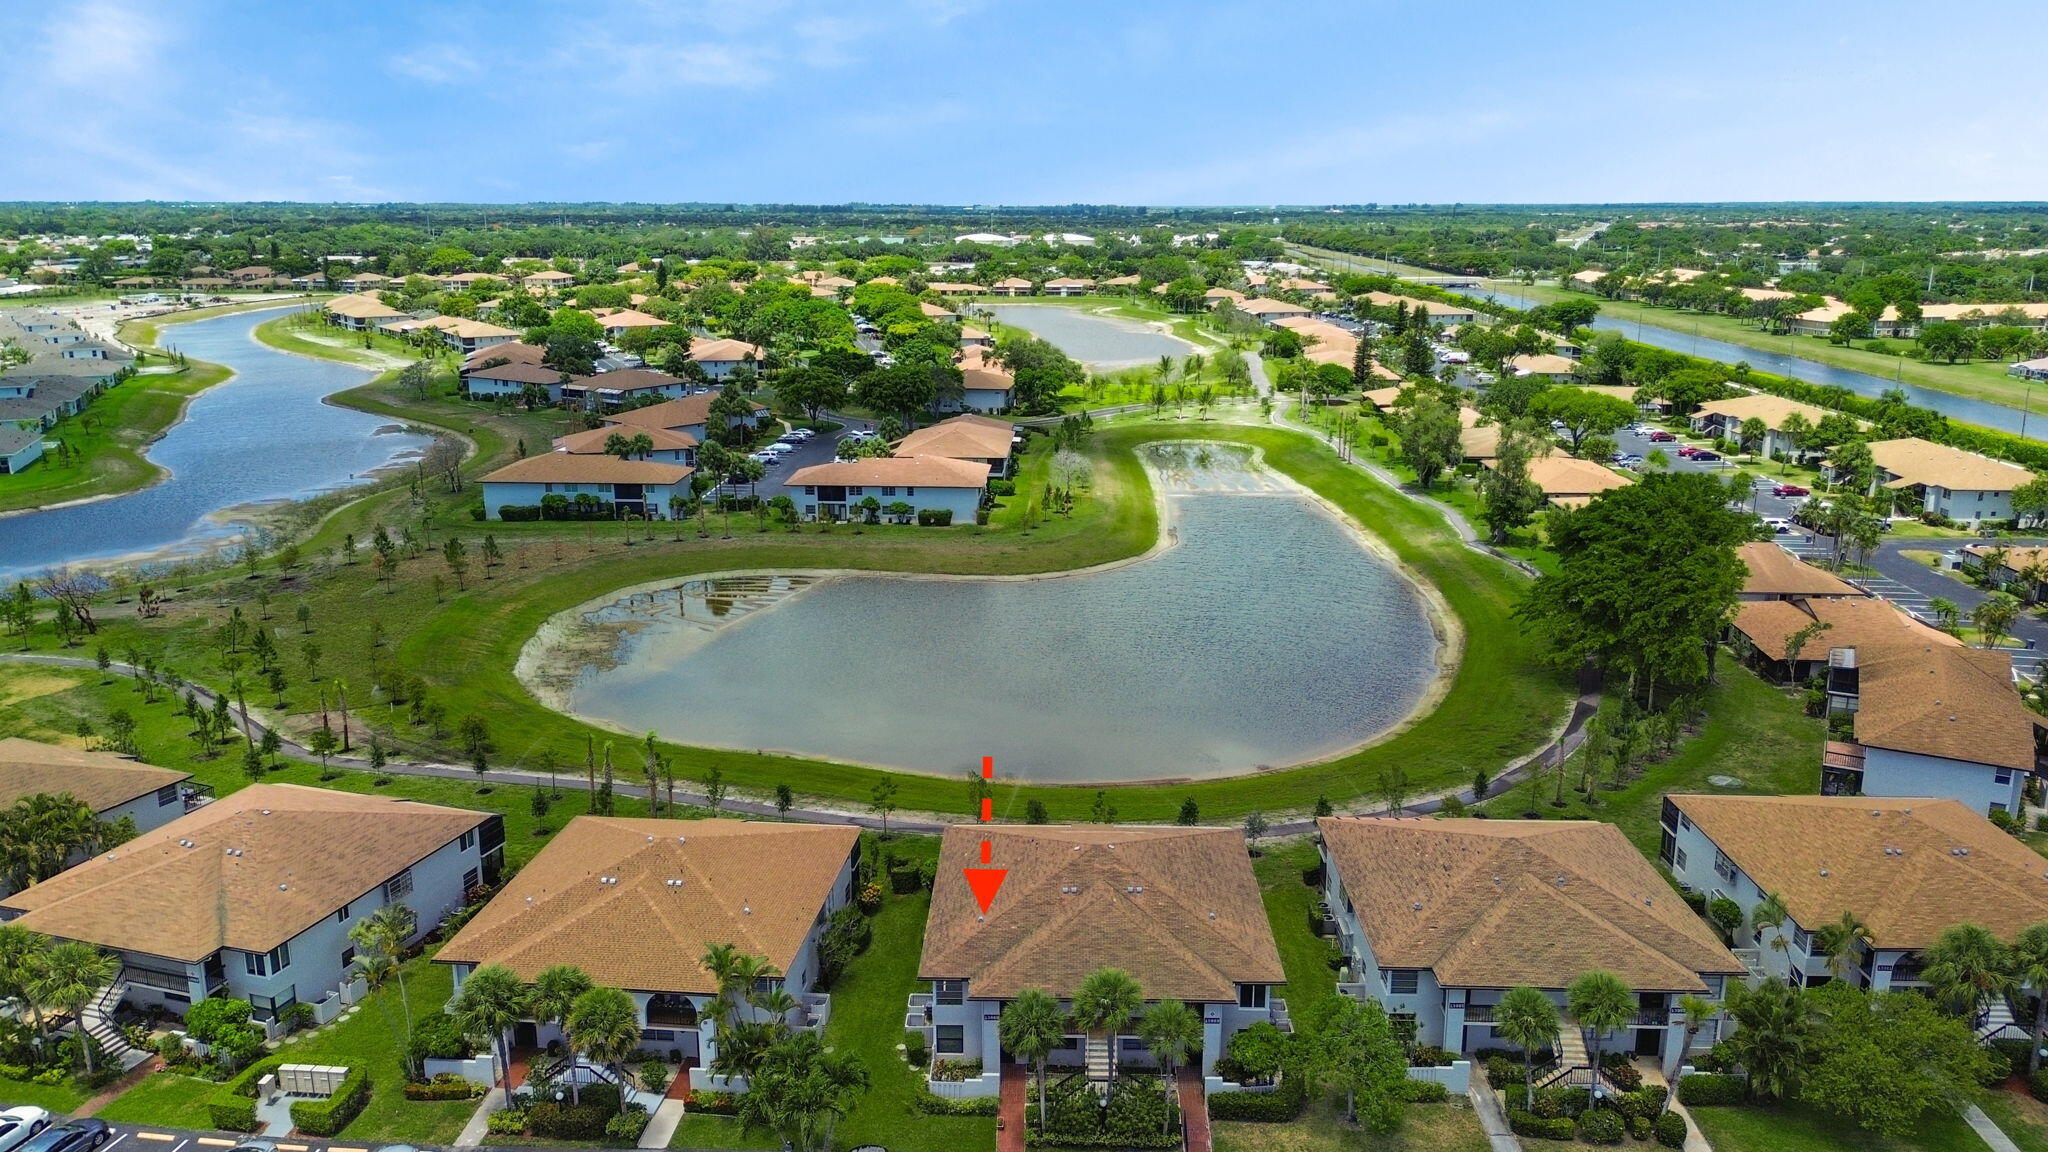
(1266, 633)
(1103, 343)
(262, 436)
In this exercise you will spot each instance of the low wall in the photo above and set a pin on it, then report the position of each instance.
(986, 1084)
(476, 1069)
(1456, 1077)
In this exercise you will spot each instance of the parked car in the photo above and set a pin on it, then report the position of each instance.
(71, 1136)
(1661, 437)
(802, 434)
(1703, 456)
(1789, 490)
(1688, 450)
(1780, 526)
(255, 1145)
(1630, 460)
(18, 1124)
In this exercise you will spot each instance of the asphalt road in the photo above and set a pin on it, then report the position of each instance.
(154, 1138)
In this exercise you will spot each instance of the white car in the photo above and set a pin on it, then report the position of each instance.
(802, 434)
(859, 435)
(18, 1124)
(1780, 526)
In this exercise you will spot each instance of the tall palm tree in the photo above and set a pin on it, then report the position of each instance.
(492, 1000)
(1171, 1030)
(22, 954)
(1104, 1003)
(71, 974)
(381, 937)
(604, 1025)
(1841, 940)
(1599, 1002)
(1697, 1011)
(1771, 913)
(1030, 1028)
(1773, 1024)
(801, 1090)
(2029, 972)
(1966, 966)
(1526, 1018)
(555, 992)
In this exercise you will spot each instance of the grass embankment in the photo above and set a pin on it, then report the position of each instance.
(105, 443)
(464, 642)
(1793, 1128)
(1981, 379)
(1753, 732)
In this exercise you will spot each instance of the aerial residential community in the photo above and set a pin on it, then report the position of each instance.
(1235, 629)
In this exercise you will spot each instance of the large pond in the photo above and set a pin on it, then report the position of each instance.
(262, 436)
(1267, 634)
(1103, 343)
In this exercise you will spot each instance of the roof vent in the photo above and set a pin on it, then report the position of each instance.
(681, 840)
(1212, 915)
(284, 887)
(1824, 872)
(674, 883)
(266, 811)
(1649, 902)
(185, 844)
(1417, 905)
(650, 839)
(746, 909)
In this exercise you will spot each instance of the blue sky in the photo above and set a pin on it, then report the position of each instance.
(1019, 101)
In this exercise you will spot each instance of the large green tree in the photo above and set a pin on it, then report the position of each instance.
(1886, 1060)
(1583, 414)
(1430, 438)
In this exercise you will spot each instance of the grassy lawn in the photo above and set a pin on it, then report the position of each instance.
(1289, 900)
(2019, 1115)
(701, 1131)
(1428, 1128)
(1797, 1129)
(55, 1097)
(1753, 731)
(168, 1098)
(464, 642)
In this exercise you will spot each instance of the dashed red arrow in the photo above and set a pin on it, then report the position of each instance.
(986, 881)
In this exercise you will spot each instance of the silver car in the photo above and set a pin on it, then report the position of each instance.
(18, 1124)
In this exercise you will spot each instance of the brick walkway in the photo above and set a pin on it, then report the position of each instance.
(1194, 1110)
(1016, 1085)
(130, 1079)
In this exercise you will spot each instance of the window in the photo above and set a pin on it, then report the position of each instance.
(1677, 859)
(1251, 995)
(952, 1039)
(269, 963)
(398, 886)
(2004, 776)
(472, 878)
(468, 840)
(910, 491)
(348, 957)
(341, 915)
(1403, 981)
(951, 991)
(853, 489)
(1723, 866)
(889, 490)
(168, 794)
(810, 489)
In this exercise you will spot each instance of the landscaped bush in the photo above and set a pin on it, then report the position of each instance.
(934, 517)
(1424, 1092)
(1524, 1124)
(625, 1128)
(328, 1117)
(2038, 1083)
(1254, 1055)
(715, 1103)
(654, 1075)
(1002, 487)
(954, 1071)
(1711, 1088)
(233, 1108)
(1139, 1116)
(446, 1086)
(916, 1049)
(1719, 1058)
(506, 1122)
(1647, 1101)
(931, 1103)
(1669, 1130)
(1639, 1127)
(1622, 1074)
(1281, 1104)
(1502, 1072)
(298, 1016)
(438, 1036)
(552, 1120)
(1561, 1101)
(1429, 1056)
(1602, 1126)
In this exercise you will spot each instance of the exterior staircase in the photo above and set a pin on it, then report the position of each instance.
(1573, 1067)
(1996, 1022)
(1100, 1067)
(98, 1022)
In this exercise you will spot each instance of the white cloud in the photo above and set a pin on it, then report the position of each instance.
(436, 64)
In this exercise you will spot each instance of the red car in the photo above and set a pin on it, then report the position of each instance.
(1688, 450)
(1790, 490)
(1661, 437)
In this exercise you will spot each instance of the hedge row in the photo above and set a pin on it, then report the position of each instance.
(1711, 1088)
(1524, 1124)
(931, 1103)
(233, 1107)
(1283, 1103)
(328, 1117)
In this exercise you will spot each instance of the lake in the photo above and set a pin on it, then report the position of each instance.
(1267, 634)
(1103, 343)
(264, 435)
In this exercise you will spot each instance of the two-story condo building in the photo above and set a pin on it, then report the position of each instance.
(252, 896)
(836, 490)
(513, 378)
(977, 438)
(663, 445)
(114, 787)
(1777, 574)
(1907, 868)
(689, 414)
(1763, 632)
(1962, 486)
(636, 487)
(1178, 909)
(1438, 918)
(1725, 418)
(635, 904)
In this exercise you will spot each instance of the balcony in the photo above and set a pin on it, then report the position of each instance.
(1479, 1013)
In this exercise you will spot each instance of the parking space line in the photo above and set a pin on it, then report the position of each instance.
(111, 1144)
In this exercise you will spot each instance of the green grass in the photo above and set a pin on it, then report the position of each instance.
(1753, 731)
(867, 1021)
(1305, 957)
(1798, 1129)
(1448, 1127)
(1502, 701)
(698, 1130)
(2019, 1116)
(64, 1097)
(169, 1099)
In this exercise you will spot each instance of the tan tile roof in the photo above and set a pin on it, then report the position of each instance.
(1543, 364)
(1916, 461)
(1177, 908)
(100, 780)
(895, 471)
(519, 372)
(463, 328)
(950, 289)
(628, 318)
(579, 468)
(1826, 855)
(2033, 311)
(1261, 306)
(1230, 294)
(300, 854)
(593, 440)
(981, 376)
(1775, 572)
(965, 437)
(1122, 282)
(1945, 700)
(510, 352)
(758, 886)
(680, 413)
(934, 311)
(1772, 410)
(1013, 282)
(1383, 397)
(1480, 443)
(1433, 307)
(549, 275)
(363, 306)
(711, 350)
(1867, 624)
(1497, 903)
(1069, 282)
(1566, 476)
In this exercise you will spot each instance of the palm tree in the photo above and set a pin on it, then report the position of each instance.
(22, 955)
(70, 975)
(1030, 1028)
(1948, 615)
(1599, 1002)
(1697, 1011)
(492, 1000)
(1773, 1023)
(1771, 913)
(1104, 1003)
(604, 1026)
(1526, 1018)
(555, 992)
(1170, 1030)
(1994, 617)
(1841, 940)
(1966, 966)
(381, 937)
(2029, 971)
(801, 1090)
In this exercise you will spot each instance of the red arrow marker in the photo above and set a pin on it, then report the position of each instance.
(985, 881)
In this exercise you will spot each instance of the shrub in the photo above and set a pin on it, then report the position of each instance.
(209, 1017)
(1624, 1076)
(1256, 1052)
(930, 1103)
(1002, 487)
(1501, 1072)
(553, 1120)
(2038, 1083)
(1997, 1067)
(518, 513)
(298, 1016)
(1428, 1056)
(1281, 1104)
(438, 1036)
(1423, 1092)
(654, 1075)
(1646, 1102)
(1602, 1126)
(328, 1117)
(915, 1048)
(1639, 1127)
(1669, 1130)
(1523, 1124)
(954, 1071)
(233, 1114)
(1715, 1059)
(625, 1128)
(1561, 1102)
(446, 1086)
(934, 517)
(506, 1122)
(1710, 1088)
(236, 1044)
(715, 1103)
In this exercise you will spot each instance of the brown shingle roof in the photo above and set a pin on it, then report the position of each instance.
(1917, 461)
(910, 471)
(593, 440)
(578, 468)
(681, 413)
(511, 352)
(1497, 903)
(1869, 625)
(1775, 572)
(1261, 306)
(715, 351)
(628, 318)
(1945, 700)
(1826, 855)
(300, 854)
(758, 886)
(965, 437)
(1772, 410)
(1177, 908)
(520, 372)
(101, 780)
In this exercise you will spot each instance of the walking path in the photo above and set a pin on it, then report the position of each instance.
(1991, 1133)
(662, 1125)
(1010, 1101)
(1487, 1106)
(134, 1076)
(1194, 1110)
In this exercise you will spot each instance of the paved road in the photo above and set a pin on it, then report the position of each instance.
(155, 1138)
